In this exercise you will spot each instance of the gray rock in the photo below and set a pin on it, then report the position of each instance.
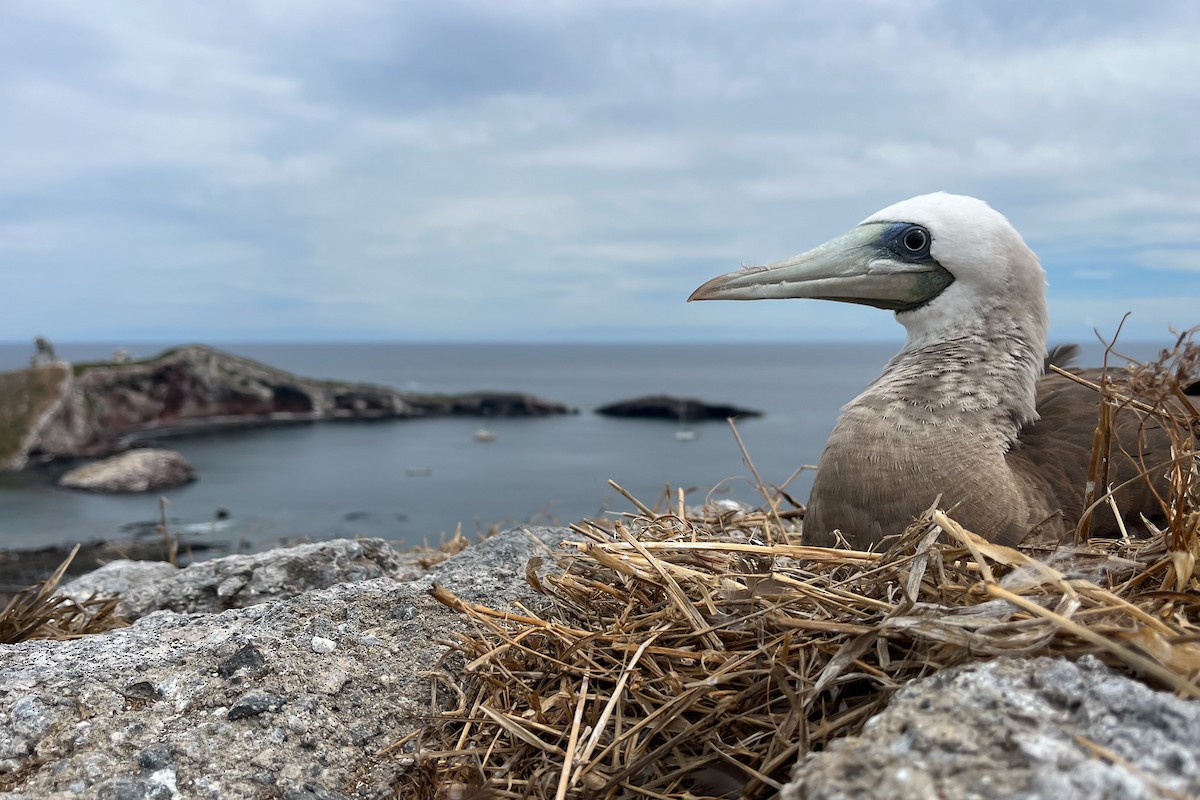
(508, 555)
(143, 470)
(252, 704)
(241, 580)
(239, 703)
(1014, 728)
(121, 577)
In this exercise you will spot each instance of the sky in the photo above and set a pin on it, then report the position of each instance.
(549, 170)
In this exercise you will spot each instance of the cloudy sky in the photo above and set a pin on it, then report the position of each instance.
(549, 170)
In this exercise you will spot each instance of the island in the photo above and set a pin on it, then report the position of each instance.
(664, 406)
(54, 409)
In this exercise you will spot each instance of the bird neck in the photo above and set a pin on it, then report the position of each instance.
(982, 376)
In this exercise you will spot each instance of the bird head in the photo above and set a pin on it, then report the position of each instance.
(942, 262)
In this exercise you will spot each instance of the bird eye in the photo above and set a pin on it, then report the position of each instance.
(915, 240)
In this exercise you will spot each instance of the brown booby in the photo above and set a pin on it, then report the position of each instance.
(966, 410)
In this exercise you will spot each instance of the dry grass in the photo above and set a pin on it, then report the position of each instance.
(1170, 387)
(1163, 394)
(427, 556)
(688, 653)
(688, 656)
(37, 613)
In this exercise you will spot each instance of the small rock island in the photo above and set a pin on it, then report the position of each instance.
(663, 406)
(145, 469)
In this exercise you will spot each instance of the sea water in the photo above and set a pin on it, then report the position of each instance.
(412, 481)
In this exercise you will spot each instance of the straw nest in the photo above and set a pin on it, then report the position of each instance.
(697, 653)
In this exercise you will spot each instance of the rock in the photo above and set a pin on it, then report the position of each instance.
(252, 704)
(122, 577)
(1015, 728)
(295, 697)
(20, 569)
(662, 406)
(240, 703)
(43, 353)
(142, 470)
(242, 580)
(487, 404)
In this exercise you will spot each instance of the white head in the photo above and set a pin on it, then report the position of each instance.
(992, 266)
(946, 264)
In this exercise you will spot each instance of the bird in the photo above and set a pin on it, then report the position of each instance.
(967, 414)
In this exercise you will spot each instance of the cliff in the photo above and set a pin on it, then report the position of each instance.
(29, 398)
(62, 410)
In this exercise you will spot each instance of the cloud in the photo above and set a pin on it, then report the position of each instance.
(551, 170)
(1186, 259)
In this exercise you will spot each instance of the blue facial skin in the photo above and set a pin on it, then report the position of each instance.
(894, 241)
(910, 243)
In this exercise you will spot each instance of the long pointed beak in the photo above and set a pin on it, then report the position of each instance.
(853, 268)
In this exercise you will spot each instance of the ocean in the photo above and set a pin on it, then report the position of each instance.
(415, 481)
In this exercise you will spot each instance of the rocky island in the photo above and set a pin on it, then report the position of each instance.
(54, 409)
(683, 409)
(145, 469)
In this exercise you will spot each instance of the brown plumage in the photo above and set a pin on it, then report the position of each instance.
(965, 409)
